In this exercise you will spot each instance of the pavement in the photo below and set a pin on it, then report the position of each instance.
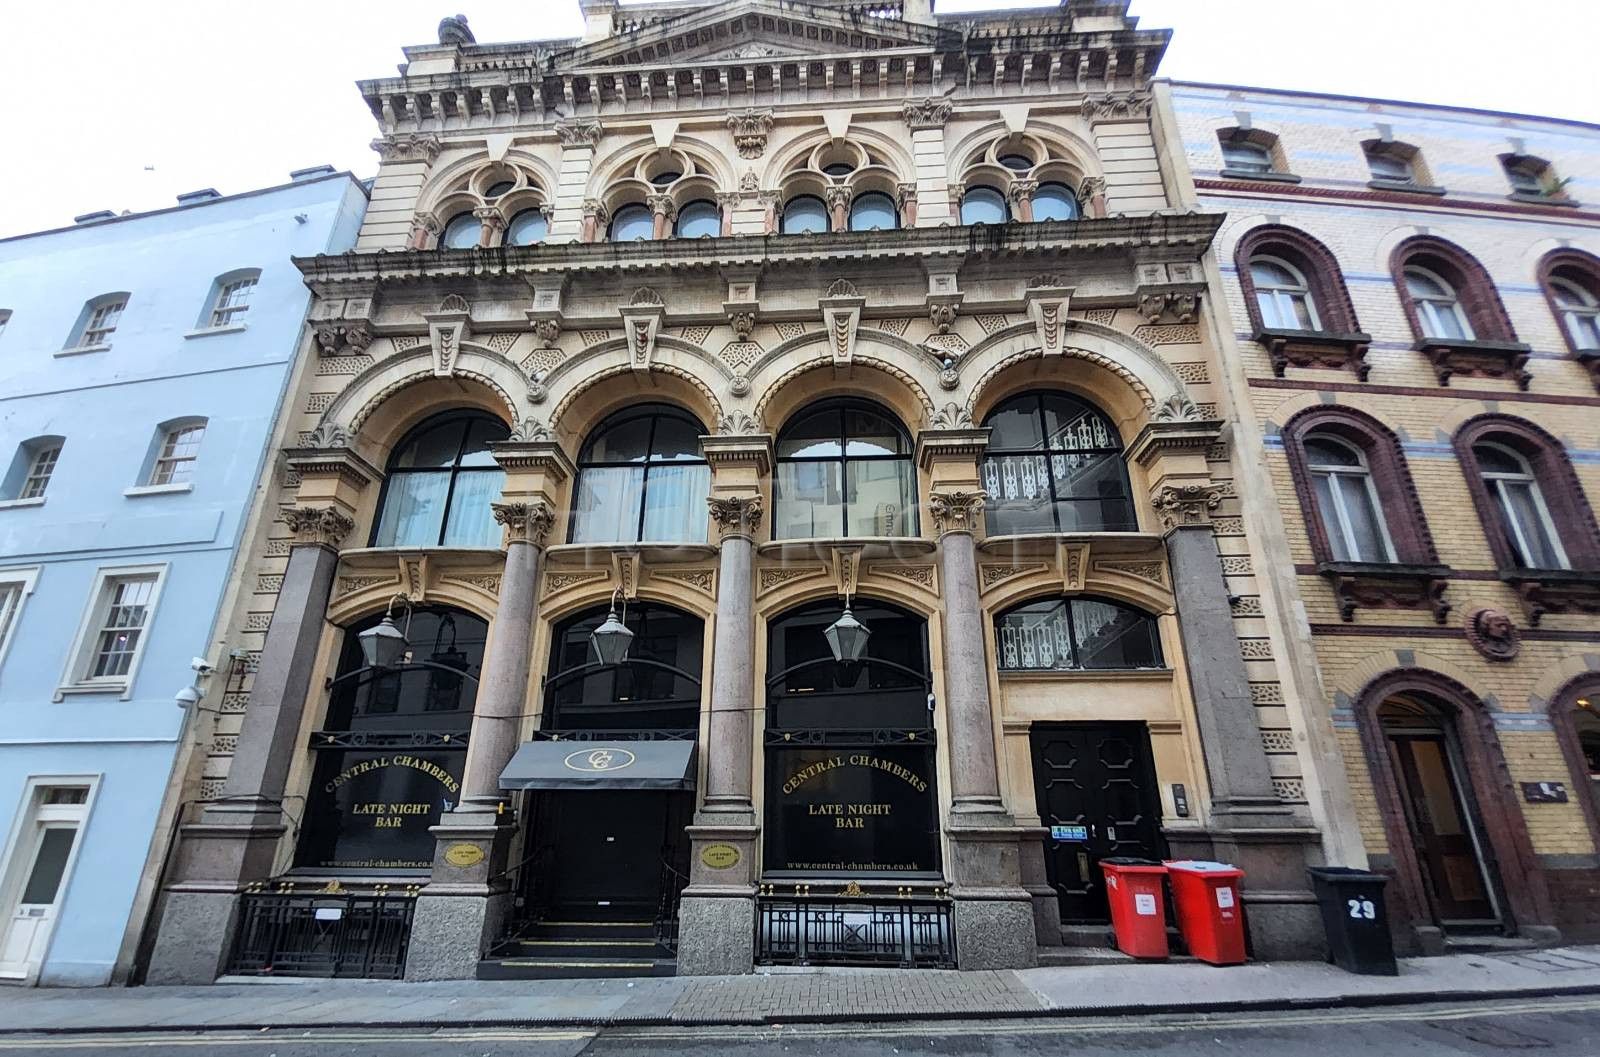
(798, 996)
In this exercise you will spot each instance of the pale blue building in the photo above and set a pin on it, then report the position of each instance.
(143, 360)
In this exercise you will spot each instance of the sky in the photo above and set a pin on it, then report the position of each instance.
(115, 106)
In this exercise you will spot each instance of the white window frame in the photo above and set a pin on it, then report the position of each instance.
(164, 461)
(1341, 512)
(233, 300)
(1497, 481)
(75, 679)
(1262, 160)
(31, 811)
(95, 333)
(1284, 296)
(1393, 157)
(1580, 313)
(1429, 309)
(32, 475)
(23, 579)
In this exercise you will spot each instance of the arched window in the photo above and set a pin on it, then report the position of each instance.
(31, 469)
(393, 736)
(1347, 500)
(1055, 465)
(657, 686)
(641, 477)
(1076, 634)
(230, 298)
(805, 215)
(527, 228)
(1438, 308)
(873, 211)
(1283, 295)
(983, 205)
(1054, 201)
(844, 469)
(1580, 311)
(440, 481)
(1523, 515)
(699, 219)
(633, 222)
(1244, 156)
(461, 233)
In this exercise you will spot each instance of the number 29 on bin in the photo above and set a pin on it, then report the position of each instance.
(1362, 909)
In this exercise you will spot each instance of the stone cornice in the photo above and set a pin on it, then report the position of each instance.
(544, 455)
(1181, 235)
(340, 462)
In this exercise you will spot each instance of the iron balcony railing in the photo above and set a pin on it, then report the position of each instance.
(358, 936)
(906, 933)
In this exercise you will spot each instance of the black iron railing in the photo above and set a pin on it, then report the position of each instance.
(672, 884)
(362, 936)
(907, 933)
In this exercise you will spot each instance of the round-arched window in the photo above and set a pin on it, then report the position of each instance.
(1283, 295)
(1580, 311)
(641, 477)
(1055, 202)
(805, 215)
(1525, 519)
(462, 233)
(657, 687)
(844, 469)
(1055, 465)
(838, 169)
(699, 219)
(1347, 500)
(1437, 306)
(499, 189)
(440, 481)
(633, 222)
(1076, 634)
(527, 228)
(1016, 162)
(983, 205)
(873, 211)
(662, 179)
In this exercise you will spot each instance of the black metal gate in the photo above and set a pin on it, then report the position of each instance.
(904, 933)
(362, 936)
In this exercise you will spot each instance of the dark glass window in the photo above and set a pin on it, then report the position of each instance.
(983, 205)
(1055, 202)
(805, 215)
(699, 219)
(461, 233)
(656, 688)
(873, 211)
(526, 228)
(1016, 162)
(1076, 634)
(641, 477)
(440, 482)
(633, 222)
(1055, 465)
(844, 469)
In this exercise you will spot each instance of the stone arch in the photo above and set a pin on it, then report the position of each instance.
(439, 184)
(1564, 710)
(597, 593)
(709, 161)
(864, 376)
(776, 604)
(792, 153)
(1153, 599)
(689, 383)
(1072, 148)
(353, 607)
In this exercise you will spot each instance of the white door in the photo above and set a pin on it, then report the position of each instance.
(35, 892)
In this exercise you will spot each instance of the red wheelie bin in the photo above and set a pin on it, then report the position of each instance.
(1135, 890)
(1205, 897)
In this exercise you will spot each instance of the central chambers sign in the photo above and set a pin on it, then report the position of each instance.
(861, 811)
(373, 810)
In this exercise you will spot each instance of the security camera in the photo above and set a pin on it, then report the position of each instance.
(186, 698)
(201, 665)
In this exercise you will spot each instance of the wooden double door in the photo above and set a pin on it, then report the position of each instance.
(1096, 789)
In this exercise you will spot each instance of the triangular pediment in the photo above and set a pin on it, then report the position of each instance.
(754, 30)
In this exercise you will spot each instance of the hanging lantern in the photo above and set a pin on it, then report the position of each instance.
(383, 646)
(611, 639)
(847, 638)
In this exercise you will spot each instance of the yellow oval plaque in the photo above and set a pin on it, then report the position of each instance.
(720, 856)
(463, 855)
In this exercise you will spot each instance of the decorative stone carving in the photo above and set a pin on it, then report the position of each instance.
(641, 322)
(328, 435)
(1182, 305)
(738, 515)
(408, 148)
(842, 288)
(1115, 106)
(738, 423)
(951, 416)
(740, 386)
(1493, 634)
(525, 521)
(942, 312)
(956, 511)
(750, 131)
(343, 338)
(1186, 504)
(321, 525)
(949, 380)
(453, 31)
(743, 323)
(750, 183)
(1178, 408)
(646, 295)
(929, 113)
(548, 331)
(1047, 300)
(531, 430)
(578, 133)
(841, 318)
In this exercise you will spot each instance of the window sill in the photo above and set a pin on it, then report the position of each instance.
(8, 504)
(206, 332)
(1154, 675)
(1486, 359)
(158, 489)
(1560, 201)
(1315, 348)
(1388, 585)
(119, 687)
(1264, 177)
(79, 350)
(1406, 187)
(1555, 590)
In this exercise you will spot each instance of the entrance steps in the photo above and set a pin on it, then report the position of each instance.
(1486, 943)
(565, 950)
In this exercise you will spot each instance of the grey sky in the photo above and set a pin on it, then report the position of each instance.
(234, 96)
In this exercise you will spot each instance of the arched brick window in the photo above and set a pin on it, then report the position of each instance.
(1455, 312)
(1471, 284)
(1311, 259)
(1571, 283)
(1363, 515)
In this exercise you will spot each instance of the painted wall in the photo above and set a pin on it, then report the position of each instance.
(108, 405)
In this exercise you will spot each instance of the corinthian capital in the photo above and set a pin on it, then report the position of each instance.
(1186, 504)
(525, 521)
(956, 511)
(735, 515)
(578, 133)
(318, 525)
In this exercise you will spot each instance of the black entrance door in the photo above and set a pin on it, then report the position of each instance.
(609, 854)
(1096, 790)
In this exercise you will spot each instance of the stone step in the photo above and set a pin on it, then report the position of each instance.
(568, 968)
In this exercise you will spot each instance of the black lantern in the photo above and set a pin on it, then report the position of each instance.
(385, 646)
(847, 637)
(612, 638)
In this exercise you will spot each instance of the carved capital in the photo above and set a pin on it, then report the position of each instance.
(735, 515)
(323, 526)
(1115, 106)
(1022, 191)
(525, 521)
(957, 511)
(343, 338)
(578, 133)
(926, 113)
(750, 131)
(1186, 504)
(408, 148)
(662, 205)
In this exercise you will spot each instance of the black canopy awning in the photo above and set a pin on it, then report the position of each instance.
(601, 765)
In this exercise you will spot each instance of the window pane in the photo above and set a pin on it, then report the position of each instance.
(481, 433)
(433, 448)
(1517, 500)
(1441, 320)
(869, 433)
(1389, 166)
(633, 222)
(676, 440)
(1094, 493)
(698, 219)
(1422, 284)
(1019, 499)
(526, 228)
(1273, 275)
(1328, 510)
(805, 215)
(1037, 636)
(462, 233)
(873, 210)
(607, 507)
(413, 510)
(809, 501)
(1494, 459)
(815, 436)
(1072, 426)
(881, 502)
(983, 205)
(1055, 202)
(49, 864)
(1247, 156)
(625, 441)
(675, 503)
(1112, 636)
(1364, 519)
(471, 522)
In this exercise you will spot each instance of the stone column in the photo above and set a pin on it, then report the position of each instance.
(994, 912)
(236, 840)
(1022, 192)
(838, 201)
(907, 195)
(716, 927)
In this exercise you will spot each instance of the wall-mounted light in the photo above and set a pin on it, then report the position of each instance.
(847, 637)
(611, 639)
(385, 645)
